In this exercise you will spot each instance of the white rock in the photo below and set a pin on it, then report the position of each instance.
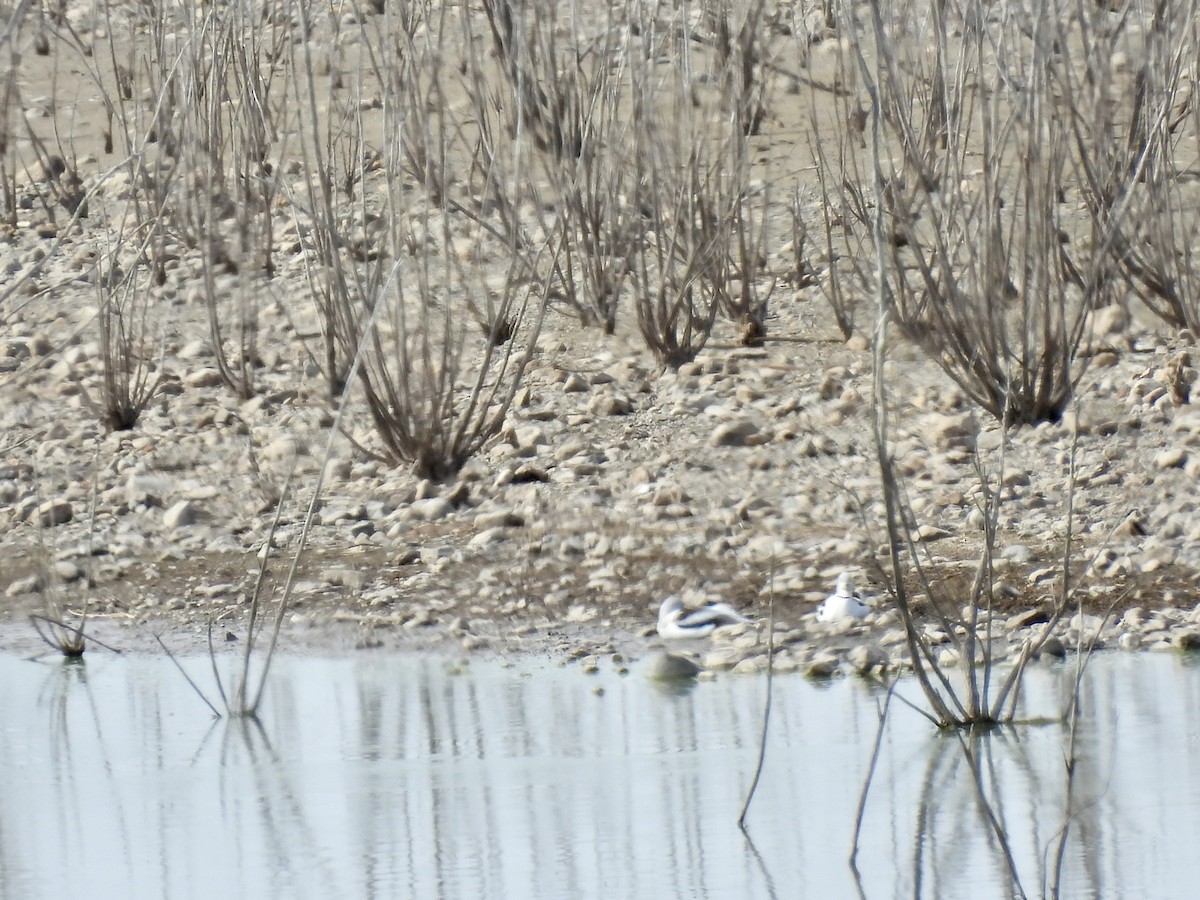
(721, 658)
(67, 572)
(283, 448)
(346, 577)
(195, 350)
(30, 584)
(948, 431)
(528, 437)
(928, 533)
(1171, 458)
(1187, 640)
(865, 657)
(1016, 553)
(574, 384)
(488, 537)
(738, 433)
(750, 665)
(1109, 319)
(431, 508)
(1130, 640)
(180, 515)
(203, 378)
(498, 518)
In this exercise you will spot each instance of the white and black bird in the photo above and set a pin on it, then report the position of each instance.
(843, 603)
(677, 621)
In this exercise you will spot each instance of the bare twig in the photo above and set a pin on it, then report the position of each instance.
(882, 713)
(195, 687)
(762, 744)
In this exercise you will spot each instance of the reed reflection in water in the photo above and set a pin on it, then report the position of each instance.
(384, 777)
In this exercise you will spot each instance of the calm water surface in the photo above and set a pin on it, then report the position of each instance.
(390, 777)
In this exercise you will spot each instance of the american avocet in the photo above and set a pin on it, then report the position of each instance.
(843, 603)
(676, 621)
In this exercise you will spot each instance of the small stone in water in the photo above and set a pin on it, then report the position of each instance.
(1188, 640)
(750, 665)
(672, 665)
(822, 667)
(1053, 647)
(865, 657)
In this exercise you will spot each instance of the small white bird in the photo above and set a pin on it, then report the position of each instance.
(676, 621)
(843, 603)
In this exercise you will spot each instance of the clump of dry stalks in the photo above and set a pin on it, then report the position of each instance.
(962, 200)
(987, 262)
(1137, 125)
(965, 190)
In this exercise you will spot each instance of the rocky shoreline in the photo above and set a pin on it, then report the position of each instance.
(747, 476)
(745, 473)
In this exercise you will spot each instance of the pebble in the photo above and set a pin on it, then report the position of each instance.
(948, 431)
(667, 666)
(203, 378)
(67, 572)
(345, 577)
(606, 404)
(864, 658)
(575, 384)
(750, 665)
(1085, 625)
(1172, 458)
(926, 534)
(487, 537)
(822, 666)
(722, 658)
(1019, 554)
(54, 512)
(30, 584)
(181, 515)
(1053, 648)
(1187, 640)
(738, 433)
(1129, 640)
(431, 509)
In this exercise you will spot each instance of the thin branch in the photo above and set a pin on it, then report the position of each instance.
(882, 712)
(762, 743)
(195, 687)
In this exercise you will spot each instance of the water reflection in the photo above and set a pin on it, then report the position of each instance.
(379, 777)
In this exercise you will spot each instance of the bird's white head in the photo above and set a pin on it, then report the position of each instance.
(671, 605)
(845, 585)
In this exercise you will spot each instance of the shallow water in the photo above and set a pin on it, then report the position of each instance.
(389, 777)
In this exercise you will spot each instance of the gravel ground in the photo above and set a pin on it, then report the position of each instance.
(744, 474)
